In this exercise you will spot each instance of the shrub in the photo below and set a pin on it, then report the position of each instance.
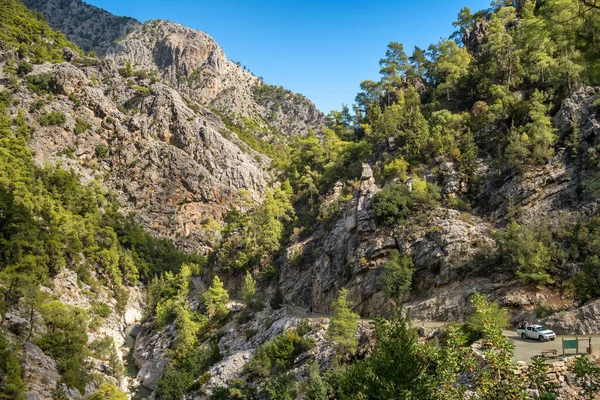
(396, 168)
(278, 355)
(43, 84)
(101, 151)
(81, 126)
(397, 275)
(392, 204)
(53, 118)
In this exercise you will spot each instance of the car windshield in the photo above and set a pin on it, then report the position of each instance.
(540, 328)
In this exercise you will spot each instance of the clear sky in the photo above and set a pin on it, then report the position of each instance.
(322, 49)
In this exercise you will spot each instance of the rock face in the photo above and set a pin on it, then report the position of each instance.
(194, 63)
(560, 185)
(584, 320)
(40, 373)
(90, 27)
(188, 60)
(149, 353)
(353, 252)
(171, 161)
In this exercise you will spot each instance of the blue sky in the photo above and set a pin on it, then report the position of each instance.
(322, 49)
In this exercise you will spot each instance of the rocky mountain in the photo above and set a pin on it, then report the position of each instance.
(190, 61)
(92, 28)
(171, 161)
(433, 199)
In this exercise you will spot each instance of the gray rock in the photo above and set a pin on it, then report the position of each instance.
(40, 372)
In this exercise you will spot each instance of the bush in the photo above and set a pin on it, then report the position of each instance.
(278, 355)
(53, 118)
(81, 126)
(101, 151)
(397, 275)
(392, 204)
(43, 84)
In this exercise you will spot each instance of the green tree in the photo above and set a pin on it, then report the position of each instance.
(12, 386)
(452, 65)
(248, 290)
(107, 391)
(396, 368)
(490, 314)
(343, 325)
(498, 380)
(588, 377)
(537, 378)
(392, 204)
(397, 275)
(215, 299)
(525, 253)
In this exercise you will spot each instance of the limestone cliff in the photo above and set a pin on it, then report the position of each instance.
(171, 161)
(188, 60)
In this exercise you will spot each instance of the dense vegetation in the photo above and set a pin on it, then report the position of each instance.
(49, 222)
(27, 32)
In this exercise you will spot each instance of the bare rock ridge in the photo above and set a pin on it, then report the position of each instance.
(188, 60)
(92, 28)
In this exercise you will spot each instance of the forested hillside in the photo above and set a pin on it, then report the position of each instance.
(240, 236)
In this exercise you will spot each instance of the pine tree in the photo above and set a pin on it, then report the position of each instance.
(215, 299)
(342, 328)
(248, 290)
(397, 275)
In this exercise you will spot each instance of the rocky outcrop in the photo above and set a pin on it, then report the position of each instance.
(193, 62)
(149, 353)
(92, 28)
(584, 320)
(240, 340)
(188, 60)
(40, 373)
(543, 192)
(171, 161)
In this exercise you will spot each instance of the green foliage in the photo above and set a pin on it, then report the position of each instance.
(81, 126)
(107, 391)
(343, 325)
(43, 84)
(397, 275)
(396, 368)
(587, 282)
(250, 239)
(66, 341)
(27, 31)
(215, 299)
(53, 118)
(392, 204)
(12, 386)
(281, 387)
(498, 317)
(248, 290)
(395, 169)
(537, 378)
(588, 377)
(277, 356)
(523, 252)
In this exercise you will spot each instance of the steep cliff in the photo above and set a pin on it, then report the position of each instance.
(171, 161)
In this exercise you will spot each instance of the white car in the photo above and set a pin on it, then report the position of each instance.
(537, 332)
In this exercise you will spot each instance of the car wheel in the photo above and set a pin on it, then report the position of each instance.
(523, 336)
(551, 338)
(541, 339)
